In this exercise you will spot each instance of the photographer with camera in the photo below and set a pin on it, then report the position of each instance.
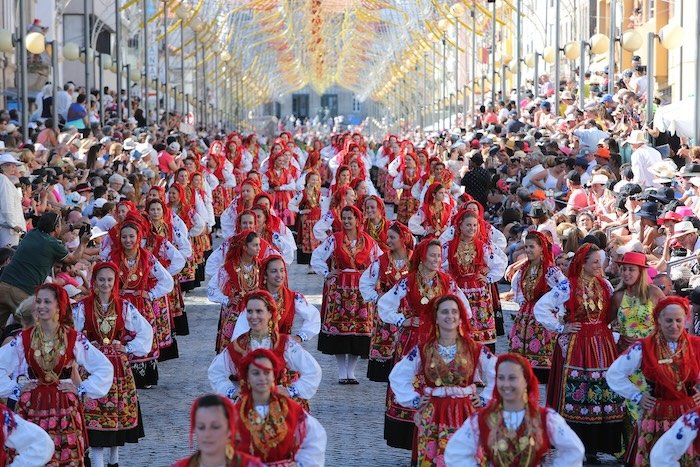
(34, 259)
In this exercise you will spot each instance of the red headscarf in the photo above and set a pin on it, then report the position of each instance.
(271, 305)
(247, 212)
(405, 235)
(139, 224)
(429, 328)
(131, 207)
(184, 208)
(402, 164)
(547, 262)
(89, 302)
(217, 153)
(160, 190)
(575, 271)
(339, 195)
(65, 315)
(427, 208)
(666, 371)
(419, 253)
(534, 415)
(192, 200)
(229, 409)
(273, 224)
(167, 217)
(360, 258)
(336, 186)
(478, 241)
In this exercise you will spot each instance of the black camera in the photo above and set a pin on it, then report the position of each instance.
(85, 229)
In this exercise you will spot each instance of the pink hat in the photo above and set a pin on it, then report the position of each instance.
(685, 211)
(565, 149)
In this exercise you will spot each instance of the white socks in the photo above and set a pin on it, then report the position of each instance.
(97, 457)
(113, 455)
(352, 363)
(342, 366)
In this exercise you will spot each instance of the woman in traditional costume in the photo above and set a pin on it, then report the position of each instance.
(117, 329)
(513, 430)
(273, 231)
(143, 280)
(584, 351)
(475, 264)
(378, 279)
(306, 204)
(219, 175)
(376, 222)
(30, 444)
(536, 277)
(213, 421)
(347, 319)
(250, 187)
(444, 365)
(280, 181)
(433, 217)
(302, 374)
(291, 305)
(238, 276)
(405, 176)
(407, 306)
(330, 222)
(271, 425)
(669, 360)
(51, 398)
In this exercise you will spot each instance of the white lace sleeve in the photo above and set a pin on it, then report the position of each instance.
(310, 318)
(368, 283)
(569, 450)
(137, 324)
(33, 446)
(11, 357)
(180, 236)
(388, 304)
(518, 296)
(497, 261)
(177, 260)
(320, 255)
(677, 441)
(99, 368)
(624, 366)
(294, 203)
(323, 226)
(215, 261)
(312, 452)
(220, 370)
(300, 360)
(401, 379)
(164, 281)
(228, 220)
(415, 223)
(487, 371)
(214, 292)
(547, 306)
(463, 446)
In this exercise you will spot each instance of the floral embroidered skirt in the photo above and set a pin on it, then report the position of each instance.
(220, 199)
(530, 339)
(61, 416)
(346, 319)
(408, 205)
(390, 194)
(578, 391)
(180, 325)
(115, 419)
(227, 321)
(382, 346)
(163, 329)
(483, 321)
(281, 204)
(306, 241)
(657, 422)
(435, 424)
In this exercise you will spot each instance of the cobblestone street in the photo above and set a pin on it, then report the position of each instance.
(353, 416)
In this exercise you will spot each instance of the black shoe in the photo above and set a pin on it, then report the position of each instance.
(343, 381)
(352, 381)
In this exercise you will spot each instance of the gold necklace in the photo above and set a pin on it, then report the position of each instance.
(426, 290)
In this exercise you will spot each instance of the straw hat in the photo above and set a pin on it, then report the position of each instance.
(683, 228)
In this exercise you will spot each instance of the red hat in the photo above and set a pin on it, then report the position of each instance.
(669, 216)
(474, 144)
(538, 195)
(635, 259)
(603, 152)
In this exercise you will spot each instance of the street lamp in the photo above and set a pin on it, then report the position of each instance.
(533, 61)
(670, 37)
(598, 44)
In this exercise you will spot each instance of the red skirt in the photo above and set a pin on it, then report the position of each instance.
(163, 322)
(390, 194)
(59, 414)
(227, 321)
(483, 321)
(305, 228)
(408, 205)
(343, 311)
(577, 388)
(220, 199)
(435, 424)
(281, 204)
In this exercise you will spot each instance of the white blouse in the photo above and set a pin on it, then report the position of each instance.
(217, 257)
(296, 358)
(463, 446)
(133, 322)
(177, 260)
(308, 314)
(496, 237)
(324, 225)
(320, 256)
(96, 385)
(675, 442)
(553, 276)
(312, 452)
(388, 304)
(550, 310)
(404, 373)
(370, 278)
(33, 446)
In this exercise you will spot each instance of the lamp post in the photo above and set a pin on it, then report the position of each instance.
(100, 78)
(86, 43)
(145, 61)
(166, 62)
(128, 89)
(611, 49)
(118, 53)
(557, 62)
(444, 74)
(518, 55)
(36, 43)
(670, 37)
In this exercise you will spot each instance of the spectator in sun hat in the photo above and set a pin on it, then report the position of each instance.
(12, 223)
(168, 160)
(643, 157)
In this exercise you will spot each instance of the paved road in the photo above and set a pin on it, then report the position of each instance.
(352, 415)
